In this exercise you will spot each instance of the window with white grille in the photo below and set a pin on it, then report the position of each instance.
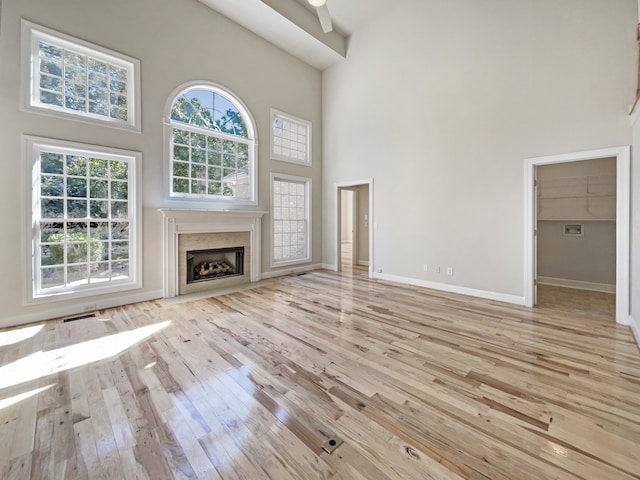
(291, 222)
(290, 138)
(211, 147)
(84, 218)
(70, 77)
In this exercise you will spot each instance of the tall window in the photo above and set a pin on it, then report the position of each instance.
(70, 77)
(290, 138)
(291, 222)
(211, 146)
(84, 217)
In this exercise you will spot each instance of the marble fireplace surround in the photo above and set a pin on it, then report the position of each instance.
(183, 221)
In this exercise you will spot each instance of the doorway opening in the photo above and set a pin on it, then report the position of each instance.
(354, 239)
(576, 236)
(603, 209)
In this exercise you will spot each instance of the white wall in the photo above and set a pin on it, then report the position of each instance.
(441, 101)
(176, 41)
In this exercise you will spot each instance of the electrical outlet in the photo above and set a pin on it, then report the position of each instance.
(425, 268)
(449, 270)
(437, 270)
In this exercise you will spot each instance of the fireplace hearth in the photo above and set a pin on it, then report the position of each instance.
(214, 263)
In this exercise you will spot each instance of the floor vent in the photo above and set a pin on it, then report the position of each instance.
(79, 317)
(330, 445)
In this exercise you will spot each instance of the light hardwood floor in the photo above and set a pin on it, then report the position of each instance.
(596, 304)
(419, 384)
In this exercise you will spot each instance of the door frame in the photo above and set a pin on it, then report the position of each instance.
(623, 217)
(349, 185)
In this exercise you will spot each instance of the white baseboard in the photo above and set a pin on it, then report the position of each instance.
(363, 263)
(329, 266)
(68, 310)
(577, 284)
(289, 270)
(500, 297)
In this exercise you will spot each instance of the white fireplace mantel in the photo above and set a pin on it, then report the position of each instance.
(181, 221)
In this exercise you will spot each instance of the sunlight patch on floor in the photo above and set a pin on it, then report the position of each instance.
(41, 364)
(18, 335)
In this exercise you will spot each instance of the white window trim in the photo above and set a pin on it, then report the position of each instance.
(309, 126)
(32, 145)
(32, 33)
(308, 190)
(209, 201)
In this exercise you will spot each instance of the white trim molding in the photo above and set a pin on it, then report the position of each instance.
(181, 221)
(79, 307)
(472, 292)
(292, 270)
(622, 155)
(577, 284)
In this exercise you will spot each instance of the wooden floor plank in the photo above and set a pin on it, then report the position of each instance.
(419, 384)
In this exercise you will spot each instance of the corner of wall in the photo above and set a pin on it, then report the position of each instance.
(635, 329)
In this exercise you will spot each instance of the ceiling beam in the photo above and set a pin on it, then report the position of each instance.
(288, 25)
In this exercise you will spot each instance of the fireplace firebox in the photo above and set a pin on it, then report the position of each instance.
(214, 263)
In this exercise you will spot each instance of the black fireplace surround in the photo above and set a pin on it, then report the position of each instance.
(214, 263)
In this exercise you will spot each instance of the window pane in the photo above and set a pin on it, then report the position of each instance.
(120, 269)
(99, 230)
(52, 186)
(76, 187)
(120, 230)
(52, 208)
(98, 167)
(181, 185)
(99, 208)
(51, 163)
(77, 273)
(76, 165)
(119, 209)
(99, 188)
(100, 272)
(52, 277)
(120, 251)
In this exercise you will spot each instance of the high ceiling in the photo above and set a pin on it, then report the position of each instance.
(293, 24)
(351, 15)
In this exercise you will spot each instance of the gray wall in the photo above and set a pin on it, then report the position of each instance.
(176, 41)
(440, 102)
(588, 258)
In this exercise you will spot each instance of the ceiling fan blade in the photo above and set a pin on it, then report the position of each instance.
(325, 18)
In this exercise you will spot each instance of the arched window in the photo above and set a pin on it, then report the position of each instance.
(212, 145)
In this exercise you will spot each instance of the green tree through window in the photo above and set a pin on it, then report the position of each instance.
(211, 150)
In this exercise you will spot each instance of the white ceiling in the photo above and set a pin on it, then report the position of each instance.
(293, 24)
